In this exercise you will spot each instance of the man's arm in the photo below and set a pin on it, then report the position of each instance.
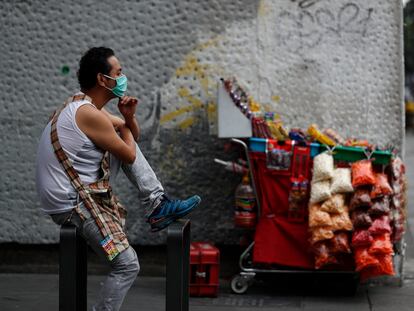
(116, 121)
(99, 129)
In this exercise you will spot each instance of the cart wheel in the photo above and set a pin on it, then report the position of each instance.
(239, 284)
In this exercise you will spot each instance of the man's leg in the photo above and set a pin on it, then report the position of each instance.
(142, 176)
(124, 267)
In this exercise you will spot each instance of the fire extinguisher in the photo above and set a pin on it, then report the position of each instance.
(245, 214)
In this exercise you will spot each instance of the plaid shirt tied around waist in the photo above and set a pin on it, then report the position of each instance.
(98, 198)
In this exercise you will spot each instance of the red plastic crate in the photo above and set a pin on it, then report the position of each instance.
(204, 269)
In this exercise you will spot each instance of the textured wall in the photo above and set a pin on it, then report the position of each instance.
(337, 63)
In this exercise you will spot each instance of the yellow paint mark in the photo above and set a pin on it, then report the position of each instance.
(172, 115)
(275, 98)
(186, 123)
(192, 67)
(263, 8)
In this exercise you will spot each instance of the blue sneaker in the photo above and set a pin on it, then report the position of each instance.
(170, 210)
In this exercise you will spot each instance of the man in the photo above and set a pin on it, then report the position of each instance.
(73, 175)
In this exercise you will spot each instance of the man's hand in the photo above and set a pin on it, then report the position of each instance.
(127, 106)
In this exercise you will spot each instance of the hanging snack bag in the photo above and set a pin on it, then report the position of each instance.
(362, 173)
(381, 187)
(323, 167)
(382, 245)
(380, 207)
(335, 204)
(320, 191)
(340, 243)
(362, 238)
(321, 234)
(318, 218)
(381, 226)
(384, 267)
(341, 181)
(361, 219)
(363, 259)
(341, 222)
(361, 198)
(323, 256)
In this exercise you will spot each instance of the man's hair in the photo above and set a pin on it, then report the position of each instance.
(94, 61)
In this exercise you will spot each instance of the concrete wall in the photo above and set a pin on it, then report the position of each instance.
(337, 63)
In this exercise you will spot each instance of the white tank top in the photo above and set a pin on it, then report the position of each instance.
(56, 193)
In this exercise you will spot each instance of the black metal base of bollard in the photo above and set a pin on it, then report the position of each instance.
(72, 270)
(178, 265)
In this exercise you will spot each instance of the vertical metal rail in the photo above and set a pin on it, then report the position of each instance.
(72, 270)
(178, 265)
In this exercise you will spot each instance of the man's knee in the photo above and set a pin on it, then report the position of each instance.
(128, 262)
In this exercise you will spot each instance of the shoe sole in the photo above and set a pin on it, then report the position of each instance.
(175, 217)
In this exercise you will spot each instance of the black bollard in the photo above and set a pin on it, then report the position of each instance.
(72, 270)
(178, 265)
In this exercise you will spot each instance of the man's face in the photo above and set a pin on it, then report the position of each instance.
(115, 72)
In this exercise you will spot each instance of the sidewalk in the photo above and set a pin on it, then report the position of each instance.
(36, 292)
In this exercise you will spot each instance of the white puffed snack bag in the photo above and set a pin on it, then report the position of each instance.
(320, 191)
(341, 181)
(323, 167)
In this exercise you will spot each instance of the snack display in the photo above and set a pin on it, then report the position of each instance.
(363, 174)
(323, 167)
(341, 181)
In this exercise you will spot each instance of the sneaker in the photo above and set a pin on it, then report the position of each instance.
(170, 210)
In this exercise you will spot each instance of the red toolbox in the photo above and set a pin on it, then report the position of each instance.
(204, 269)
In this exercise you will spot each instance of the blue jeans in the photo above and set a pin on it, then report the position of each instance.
(125, 266)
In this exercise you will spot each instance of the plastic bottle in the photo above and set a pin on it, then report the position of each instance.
(245, 207)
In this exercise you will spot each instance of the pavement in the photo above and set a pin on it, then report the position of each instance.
(23, 291)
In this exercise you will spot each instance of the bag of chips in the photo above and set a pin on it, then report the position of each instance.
(361, 197)
(340, 243)
(323, 256)
(321, 234)
(320, 191)
(323, 167)
(362, 173)
(384, 267)
(381, 245)
(362, 238)
(318, 218)
(380, 207)
(335, 204)
(341, 222)
(341, 181)
(361, 219)
(397, 168)
(380, 226)
(363, 259)
(381, 187)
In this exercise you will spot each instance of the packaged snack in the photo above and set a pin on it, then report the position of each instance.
(335, 204)
(340, 243)
(341, 222)
(361, 219)
(381, 187)
(381, 245)
(321, 234)
(380, 207)
(314, 132)
(361, 198)
(362, 238)
(318, 218)
(320, 191)
(341, 181)
(362, 173)
(334, 136)
(380, 226)
(397, 168)
(384, 267)
(323, 167)
(323, 256)
(364, 260)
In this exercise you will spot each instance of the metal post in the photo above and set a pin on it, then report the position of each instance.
(178, 265)
(72, 270)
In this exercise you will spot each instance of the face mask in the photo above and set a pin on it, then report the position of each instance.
(120, 87)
